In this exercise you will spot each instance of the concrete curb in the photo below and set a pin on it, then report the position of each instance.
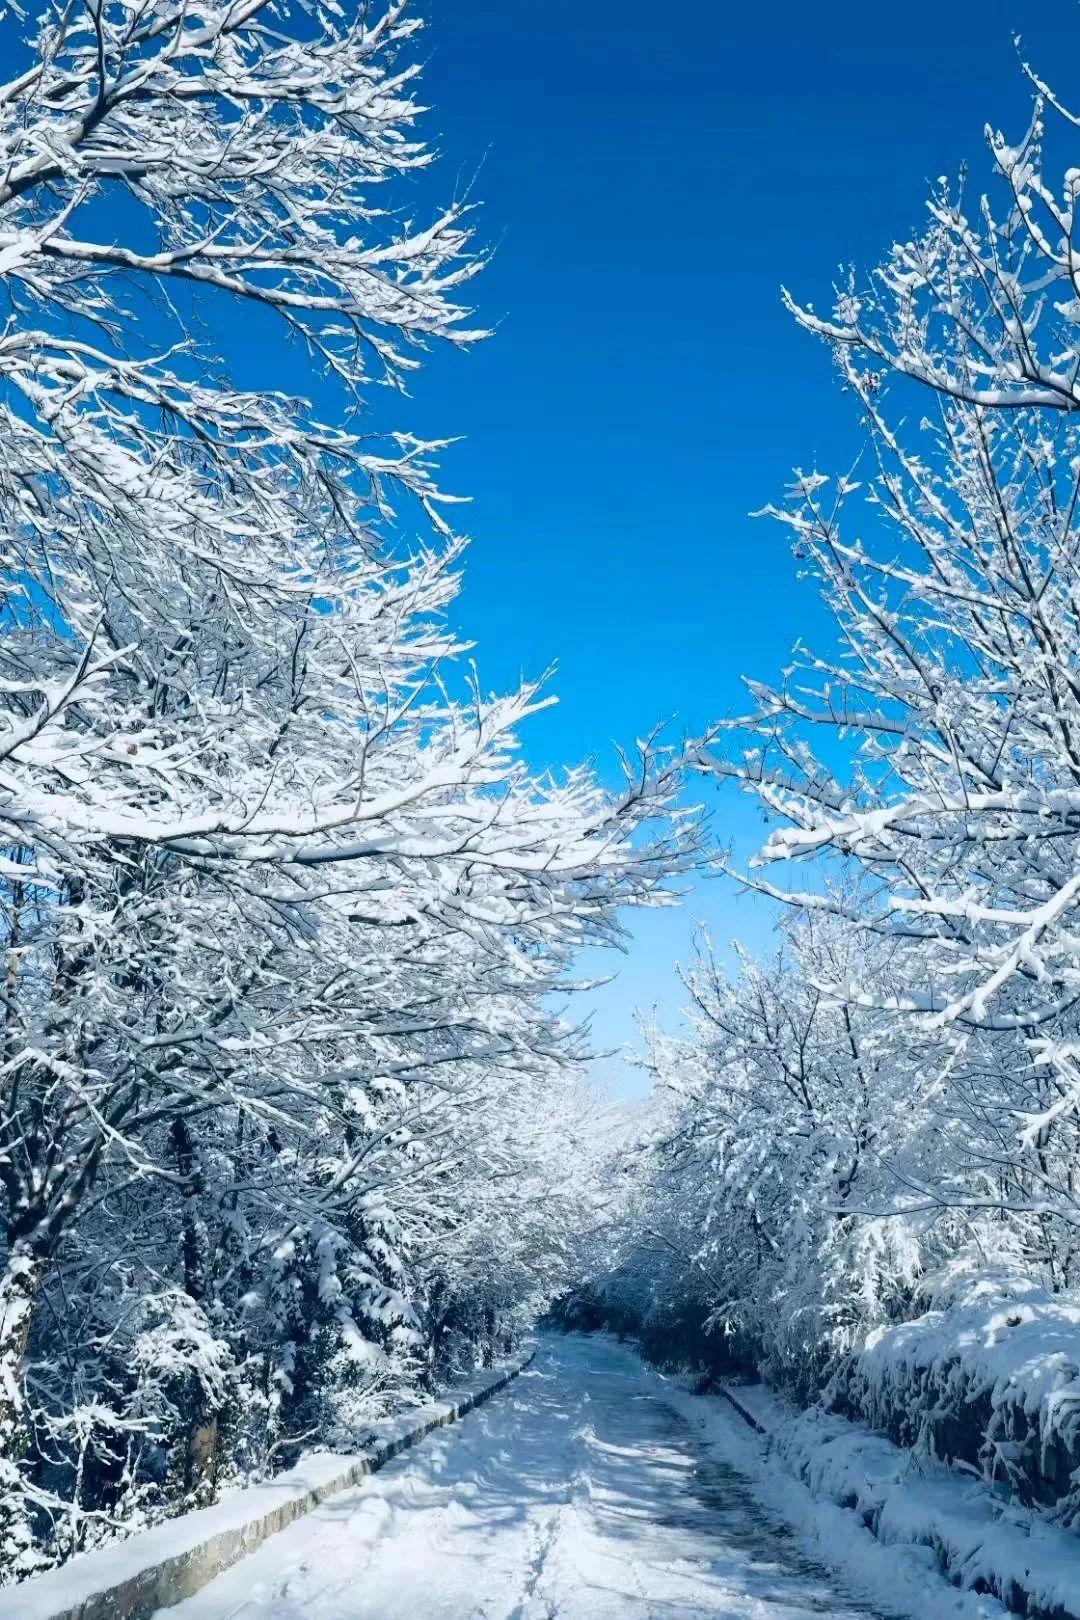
(746, 1415)
(132, 1579)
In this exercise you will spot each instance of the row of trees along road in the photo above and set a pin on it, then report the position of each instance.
(290, 1124)
(288, 1113)
(888, 1115)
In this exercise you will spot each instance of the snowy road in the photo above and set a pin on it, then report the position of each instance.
(577, 1494)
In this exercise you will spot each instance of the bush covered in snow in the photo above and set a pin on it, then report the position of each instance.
(982, 1541)
(988, 1376)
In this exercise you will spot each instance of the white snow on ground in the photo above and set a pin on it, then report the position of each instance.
(239, 1518)
(914, 1499)
(586, 1491)
(899, 1574)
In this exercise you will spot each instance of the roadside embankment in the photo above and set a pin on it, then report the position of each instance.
(131, 1580)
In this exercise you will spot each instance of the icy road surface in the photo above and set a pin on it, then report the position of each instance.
(576, 1494)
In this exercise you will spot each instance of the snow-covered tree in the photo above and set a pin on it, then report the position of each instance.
(948, 559)
(767, 1184)
(285, 912)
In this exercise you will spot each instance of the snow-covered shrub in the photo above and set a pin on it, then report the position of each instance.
(988, 1374)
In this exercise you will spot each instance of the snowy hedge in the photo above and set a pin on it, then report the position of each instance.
(990, 1377)
(980, 1540)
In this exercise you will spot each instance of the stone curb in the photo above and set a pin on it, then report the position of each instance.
(157, 1568)
(743, 1412)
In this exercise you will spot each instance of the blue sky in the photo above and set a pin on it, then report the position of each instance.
(648, 180)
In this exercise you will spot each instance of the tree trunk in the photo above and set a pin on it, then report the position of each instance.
(201, 1445)
(19, 1287)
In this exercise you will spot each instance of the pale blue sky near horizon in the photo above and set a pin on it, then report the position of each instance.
(646, 183)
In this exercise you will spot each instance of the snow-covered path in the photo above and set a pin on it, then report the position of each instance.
(578, 1493)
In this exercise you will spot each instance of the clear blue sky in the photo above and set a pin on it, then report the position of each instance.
(649, 176)
(647, 187)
